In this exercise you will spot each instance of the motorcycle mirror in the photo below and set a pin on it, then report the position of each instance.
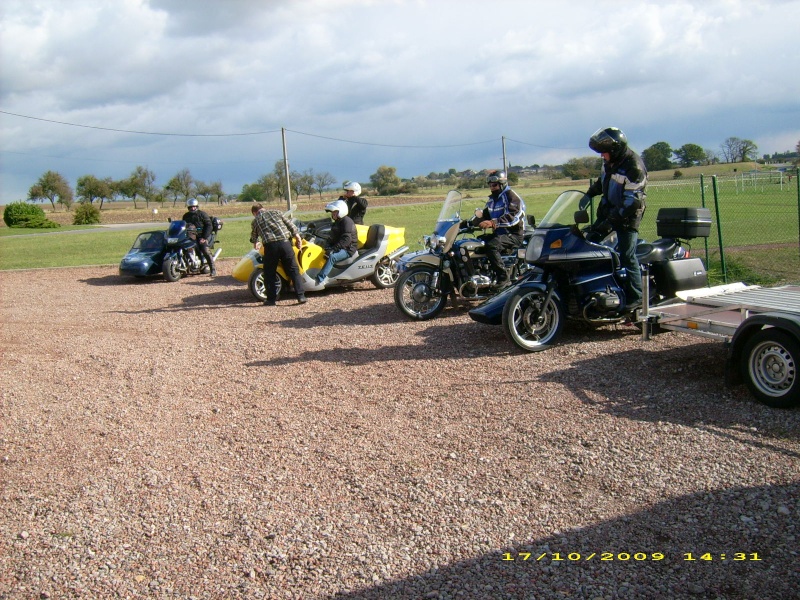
(581, 216)
(169, 219)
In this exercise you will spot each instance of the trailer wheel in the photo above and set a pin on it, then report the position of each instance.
(771, 363)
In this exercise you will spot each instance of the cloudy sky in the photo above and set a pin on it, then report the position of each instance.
(102, 86)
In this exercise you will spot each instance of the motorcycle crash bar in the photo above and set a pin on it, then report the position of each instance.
(217, 253)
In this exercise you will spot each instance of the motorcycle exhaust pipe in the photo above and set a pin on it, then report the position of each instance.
(397, 253)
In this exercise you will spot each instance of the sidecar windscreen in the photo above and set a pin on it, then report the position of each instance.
(150, 240)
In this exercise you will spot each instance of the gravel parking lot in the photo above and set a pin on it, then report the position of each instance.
(179, 440)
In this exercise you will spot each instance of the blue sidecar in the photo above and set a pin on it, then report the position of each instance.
(146, 256)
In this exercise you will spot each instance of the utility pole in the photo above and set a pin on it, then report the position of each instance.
(505, 164)
(286, 171)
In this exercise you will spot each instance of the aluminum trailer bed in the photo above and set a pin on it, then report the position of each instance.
(761, 327)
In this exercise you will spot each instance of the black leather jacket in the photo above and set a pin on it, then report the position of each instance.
(201, 220)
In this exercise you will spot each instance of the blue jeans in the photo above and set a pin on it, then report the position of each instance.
(333, 258)
(626, 246)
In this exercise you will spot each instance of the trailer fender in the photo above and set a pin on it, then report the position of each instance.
(788, 322)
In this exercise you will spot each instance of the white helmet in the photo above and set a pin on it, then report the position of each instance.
(353, 185)
(339, 205)
(191, 202)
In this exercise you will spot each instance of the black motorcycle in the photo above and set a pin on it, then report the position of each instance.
(453, 263)
(182, 256)
(576, 275)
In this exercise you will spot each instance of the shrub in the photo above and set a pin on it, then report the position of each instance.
(25, 214)
(86, 214)
(677, 175)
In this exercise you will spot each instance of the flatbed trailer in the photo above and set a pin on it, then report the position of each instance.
(760, 326)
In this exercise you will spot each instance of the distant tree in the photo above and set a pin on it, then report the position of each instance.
(90, 188)
(202, 191)
(215, 191)
(253, 193)
(128, 188)
(304, 182)
(323, 181)
(143, 184)
(385, 180)
(689, 155)
(180, 186)
(797, 148)
(53, 187)
(513, 178)
(711, 157)
(657, 157)
(738, 150)
(583, 168)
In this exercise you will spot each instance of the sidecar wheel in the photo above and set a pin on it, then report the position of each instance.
(415, 297)
(531, 325)
(385, 275)
(170, 269)
(771, 364)
(257, 288)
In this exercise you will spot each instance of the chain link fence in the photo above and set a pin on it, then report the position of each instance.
(755, 229)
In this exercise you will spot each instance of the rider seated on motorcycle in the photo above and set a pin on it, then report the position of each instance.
(505, 214)
(356, 205)
(342, 241)
(201, 220)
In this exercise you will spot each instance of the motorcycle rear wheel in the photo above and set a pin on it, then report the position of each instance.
(531, 325)
(415, 297)
(170, 269)
(385, 275)
(257, 287)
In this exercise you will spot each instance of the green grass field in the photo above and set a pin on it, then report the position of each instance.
(759, 226)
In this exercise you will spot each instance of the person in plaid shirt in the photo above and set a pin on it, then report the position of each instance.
(276, 233)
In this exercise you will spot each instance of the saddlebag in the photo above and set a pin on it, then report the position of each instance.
(674, 276)
(683, 223)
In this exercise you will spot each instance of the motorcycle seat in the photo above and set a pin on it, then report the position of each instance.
(657, 251)
(375, 234)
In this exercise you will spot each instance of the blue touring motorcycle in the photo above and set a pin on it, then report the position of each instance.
(574, 274)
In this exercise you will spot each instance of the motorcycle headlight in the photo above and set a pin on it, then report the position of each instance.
(534, 250)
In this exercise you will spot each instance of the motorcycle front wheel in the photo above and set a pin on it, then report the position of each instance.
(529, 323)
(385, 275)
(415, 296)
(171, 269)
(257, 287)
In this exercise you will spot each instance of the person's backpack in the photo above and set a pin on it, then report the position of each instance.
(216, 224)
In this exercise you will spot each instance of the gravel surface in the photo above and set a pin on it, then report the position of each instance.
(179, 440)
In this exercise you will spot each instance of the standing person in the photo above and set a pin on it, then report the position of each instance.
(342, 241)
(622, 183)
(505, 213)
(201, 220)
(356, 205)
(276, 232)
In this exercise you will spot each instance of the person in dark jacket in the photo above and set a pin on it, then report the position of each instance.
(356, 204)
(505, 214)
(201, 220)
(342, 241)
(623, 184)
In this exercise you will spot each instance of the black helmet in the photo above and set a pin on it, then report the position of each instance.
(611, 140)
(497, 177)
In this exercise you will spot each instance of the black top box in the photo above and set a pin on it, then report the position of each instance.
(685, 223)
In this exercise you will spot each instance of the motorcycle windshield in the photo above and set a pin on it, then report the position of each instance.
(562, 213)
(450, 213)
(150, 240)
(176, 228)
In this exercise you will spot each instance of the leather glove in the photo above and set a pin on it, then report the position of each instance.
(602, 228)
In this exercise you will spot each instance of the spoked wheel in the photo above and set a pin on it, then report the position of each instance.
(415, 296)
(170, 269)
(257, 287)
(385, 275)
(529, 323)
(770, 361)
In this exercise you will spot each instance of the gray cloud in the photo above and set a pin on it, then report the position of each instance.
(397, 73)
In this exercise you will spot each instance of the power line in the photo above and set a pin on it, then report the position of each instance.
(393, 145)
(540, 146)
(141, 132)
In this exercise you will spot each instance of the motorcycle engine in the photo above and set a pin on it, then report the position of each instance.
(606, 302)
